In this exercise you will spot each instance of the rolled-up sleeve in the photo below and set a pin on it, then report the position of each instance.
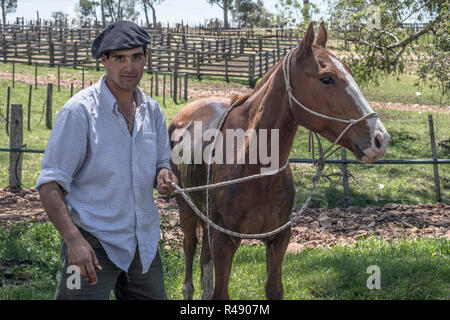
(65, 151)
(163, 144)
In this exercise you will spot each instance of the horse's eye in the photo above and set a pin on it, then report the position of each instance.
(327, 80)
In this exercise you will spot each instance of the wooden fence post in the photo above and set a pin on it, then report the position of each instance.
(75, 55)
(29, 108)
(15, 141)
(35, 75)
(82, 78)
(198, 67)
(164, 90)
(29, 55)
(345, 178)
(156, 84)
(437, 187)
(226, 68)
(185, 87)
(59, 78)
(175, 78)
(5, 48)
(48, 110)
(251, 71)
(13, 73)
(151, 86)
(149, 61)
(52, 54)
(8, 101)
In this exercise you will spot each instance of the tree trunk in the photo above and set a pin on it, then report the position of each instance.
(103, 13)
(4, 11)
(119, 11)
(225, 14)
(305, 10)
(154, 14)
(144, 2)
(111, 11)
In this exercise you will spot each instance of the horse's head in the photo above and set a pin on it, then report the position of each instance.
(325, 86)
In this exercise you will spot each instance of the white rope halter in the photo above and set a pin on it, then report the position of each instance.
(350, 122)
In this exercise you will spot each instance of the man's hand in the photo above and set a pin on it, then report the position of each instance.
(81, 254)
(163, 180)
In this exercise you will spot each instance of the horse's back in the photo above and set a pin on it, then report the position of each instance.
(207, 110)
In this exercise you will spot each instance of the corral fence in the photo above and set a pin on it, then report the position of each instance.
(240, 54)
(17, 148)
(225, 53)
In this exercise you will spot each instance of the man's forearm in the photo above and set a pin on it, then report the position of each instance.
(53, 201)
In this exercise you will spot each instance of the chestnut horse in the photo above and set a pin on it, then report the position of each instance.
(319, 81)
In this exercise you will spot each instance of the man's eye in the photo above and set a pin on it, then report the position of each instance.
(137, 58)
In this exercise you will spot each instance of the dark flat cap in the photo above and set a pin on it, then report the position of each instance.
(119, 35)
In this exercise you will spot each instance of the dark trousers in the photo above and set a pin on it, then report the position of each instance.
(131, 285)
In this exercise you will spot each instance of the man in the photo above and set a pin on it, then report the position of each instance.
(108, 147)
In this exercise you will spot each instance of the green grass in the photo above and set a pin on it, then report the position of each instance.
(410, 269)
(402, 89)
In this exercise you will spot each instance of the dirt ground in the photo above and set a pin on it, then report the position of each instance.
(316, 228)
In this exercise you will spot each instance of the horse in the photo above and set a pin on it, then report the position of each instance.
(309, 87)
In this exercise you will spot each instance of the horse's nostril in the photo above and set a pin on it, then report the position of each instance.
(377, 142)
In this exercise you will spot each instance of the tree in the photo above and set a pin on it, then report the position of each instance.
(8, 6)
(225, 5)
(59, 16)
(250, 13)
(120, 10)
(294, 12)
(151, 4)
(88, 9)
(381, 41)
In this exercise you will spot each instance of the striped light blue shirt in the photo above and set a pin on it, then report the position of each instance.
(108, 175)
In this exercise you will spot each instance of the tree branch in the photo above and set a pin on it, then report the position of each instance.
(416, 35)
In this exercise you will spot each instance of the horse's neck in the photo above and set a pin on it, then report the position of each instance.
(270, 110)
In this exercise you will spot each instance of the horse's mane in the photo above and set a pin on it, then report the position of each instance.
(240, 98)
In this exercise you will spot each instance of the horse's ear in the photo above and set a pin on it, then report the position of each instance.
(322, 36)
(305, 47)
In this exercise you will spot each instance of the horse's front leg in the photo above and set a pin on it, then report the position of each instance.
(275, 249)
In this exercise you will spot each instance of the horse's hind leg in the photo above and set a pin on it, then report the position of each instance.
(275, 249)
(207, 266)
(188, 222)
(224, 248)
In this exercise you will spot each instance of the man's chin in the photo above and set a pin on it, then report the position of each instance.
(128, 85)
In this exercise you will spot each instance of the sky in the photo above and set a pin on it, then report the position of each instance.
(172, 11)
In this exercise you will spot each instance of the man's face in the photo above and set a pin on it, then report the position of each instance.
(125, 67)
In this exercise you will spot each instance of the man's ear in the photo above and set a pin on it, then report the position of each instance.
(104, 59)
